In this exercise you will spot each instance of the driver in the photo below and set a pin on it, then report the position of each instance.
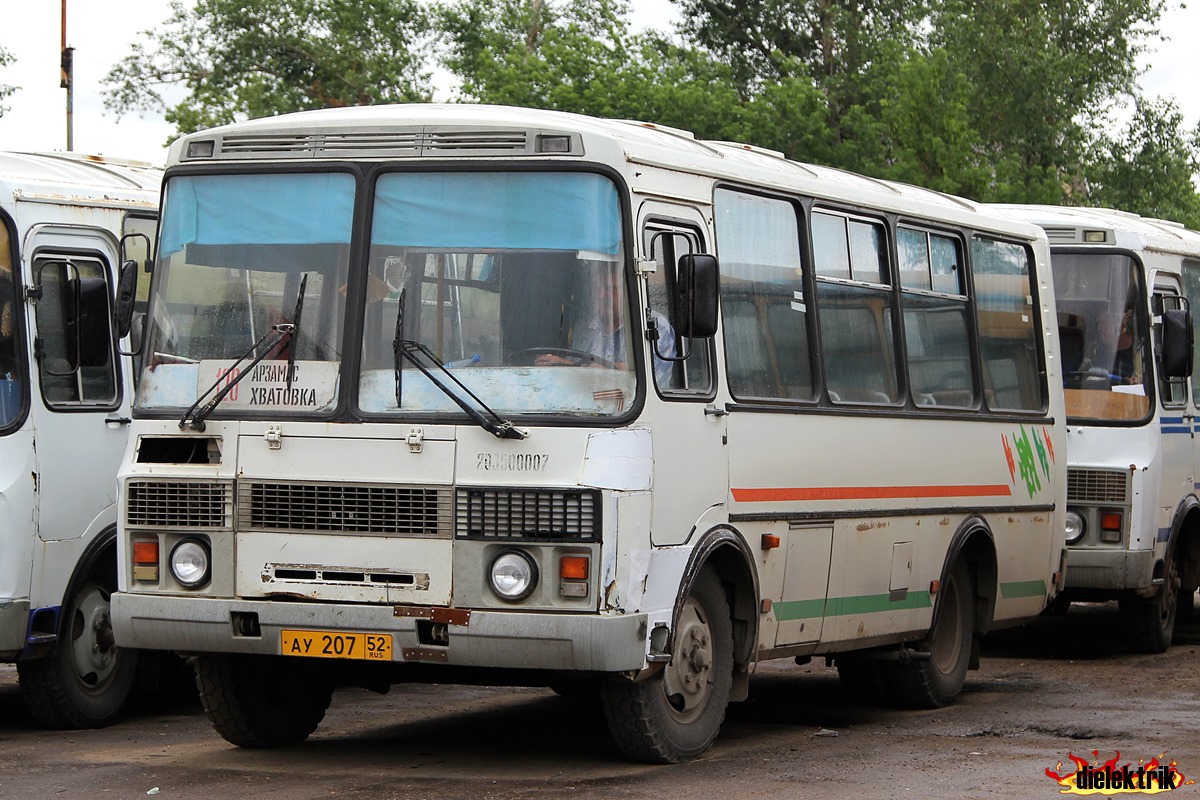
(604, 335)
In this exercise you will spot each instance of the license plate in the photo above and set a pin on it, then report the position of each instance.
(336, 644)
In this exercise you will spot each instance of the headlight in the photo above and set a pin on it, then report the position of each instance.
(190, 563)
(513, 575)
(1076, 527)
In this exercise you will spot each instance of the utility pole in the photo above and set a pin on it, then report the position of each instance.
(67, 79)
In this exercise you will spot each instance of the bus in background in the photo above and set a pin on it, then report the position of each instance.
(67, 222)
(1125, 287)
(464, 393)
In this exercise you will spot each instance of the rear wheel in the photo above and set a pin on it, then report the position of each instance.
(263, 701)
(937, 681)
(675, 716)
(85, 682)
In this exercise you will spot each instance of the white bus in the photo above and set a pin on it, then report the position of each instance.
(1125, 286)
(451, 393)
(66, 224)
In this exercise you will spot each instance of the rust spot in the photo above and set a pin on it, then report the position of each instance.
(869, 526)
(862, 629)
(1012, 520)
(944, 521)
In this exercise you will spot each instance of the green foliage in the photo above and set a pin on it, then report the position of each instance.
(581, 57)
(1150, 167)
(252, 58)
(6, 58)
(1041, 77)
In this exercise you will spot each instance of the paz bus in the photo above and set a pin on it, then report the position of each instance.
(483, 394)
(1125, 286)
(66, 223)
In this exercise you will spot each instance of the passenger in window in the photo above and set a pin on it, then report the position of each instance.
(603, 335)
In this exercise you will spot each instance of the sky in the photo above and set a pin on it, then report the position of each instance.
(103, 32)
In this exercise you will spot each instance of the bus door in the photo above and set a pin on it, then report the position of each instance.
(80, 413)
(1177, 418)
(689, 432)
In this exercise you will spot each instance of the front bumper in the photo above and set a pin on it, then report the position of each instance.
(1109, 569)
(500, 639)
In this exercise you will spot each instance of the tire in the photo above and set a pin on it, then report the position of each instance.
(676, 715)
(1150, 622)
(262, 701)
(936, 682)
(86, 680)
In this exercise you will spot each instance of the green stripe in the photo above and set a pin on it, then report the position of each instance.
(844, 606)
(1016, 589)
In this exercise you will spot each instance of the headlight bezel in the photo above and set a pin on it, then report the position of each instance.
(196, 546)
(518, 562)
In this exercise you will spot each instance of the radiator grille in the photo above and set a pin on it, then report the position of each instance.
(535, 514)
(1097, 486)
(178, 504)
(350, 508)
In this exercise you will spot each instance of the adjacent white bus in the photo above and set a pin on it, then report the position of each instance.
(1125, 286)
(462, 393)
(66, 224)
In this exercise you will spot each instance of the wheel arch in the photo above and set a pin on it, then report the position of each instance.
(724, 550)
(99, 554)
(974, 543)
(1184, 544)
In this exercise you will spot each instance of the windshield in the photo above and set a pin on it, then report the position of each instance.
(1102, 329)
(234, 253)
(515, 281)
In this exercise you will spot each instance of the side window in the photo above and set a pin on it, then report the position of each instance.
(1008, 338)
(11, 374)
(856, 309)
(1191, 288)
(74, 344)
(1173, 391)
(694, 374)
(763, 307)
(935, 318)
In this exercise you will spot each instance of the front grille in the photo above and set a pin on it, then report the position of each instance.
(530, 515)
(1097, 486)
(178, 504)
(343, 508)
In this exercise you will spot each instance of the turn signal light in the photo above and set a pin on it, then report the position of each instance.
(574, 568)
(145, 561)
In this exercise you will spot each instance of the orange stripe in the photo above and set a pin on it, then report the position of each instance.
(868, 493)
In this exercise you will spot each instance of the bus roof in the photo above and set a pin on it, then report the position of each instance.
(91, 180)
(447, 131)
(1069, 225)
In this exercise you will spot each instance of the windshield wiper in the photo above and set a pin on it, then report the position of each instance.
(424, 359)
(195, 419)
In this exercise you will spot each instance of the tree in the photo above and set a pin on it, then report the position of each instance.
(581, 57)
(252, 58)
(6, 58)
(1042, 76)
(1150, 167)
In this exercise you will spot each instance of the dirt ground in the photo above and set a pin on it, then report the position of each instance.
(1058, 686)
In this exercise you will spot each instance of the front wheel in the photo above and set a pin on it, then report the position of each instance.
(263, 701)
(1150, 622)
(85, 682)
(675, 716)
(937, 681)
